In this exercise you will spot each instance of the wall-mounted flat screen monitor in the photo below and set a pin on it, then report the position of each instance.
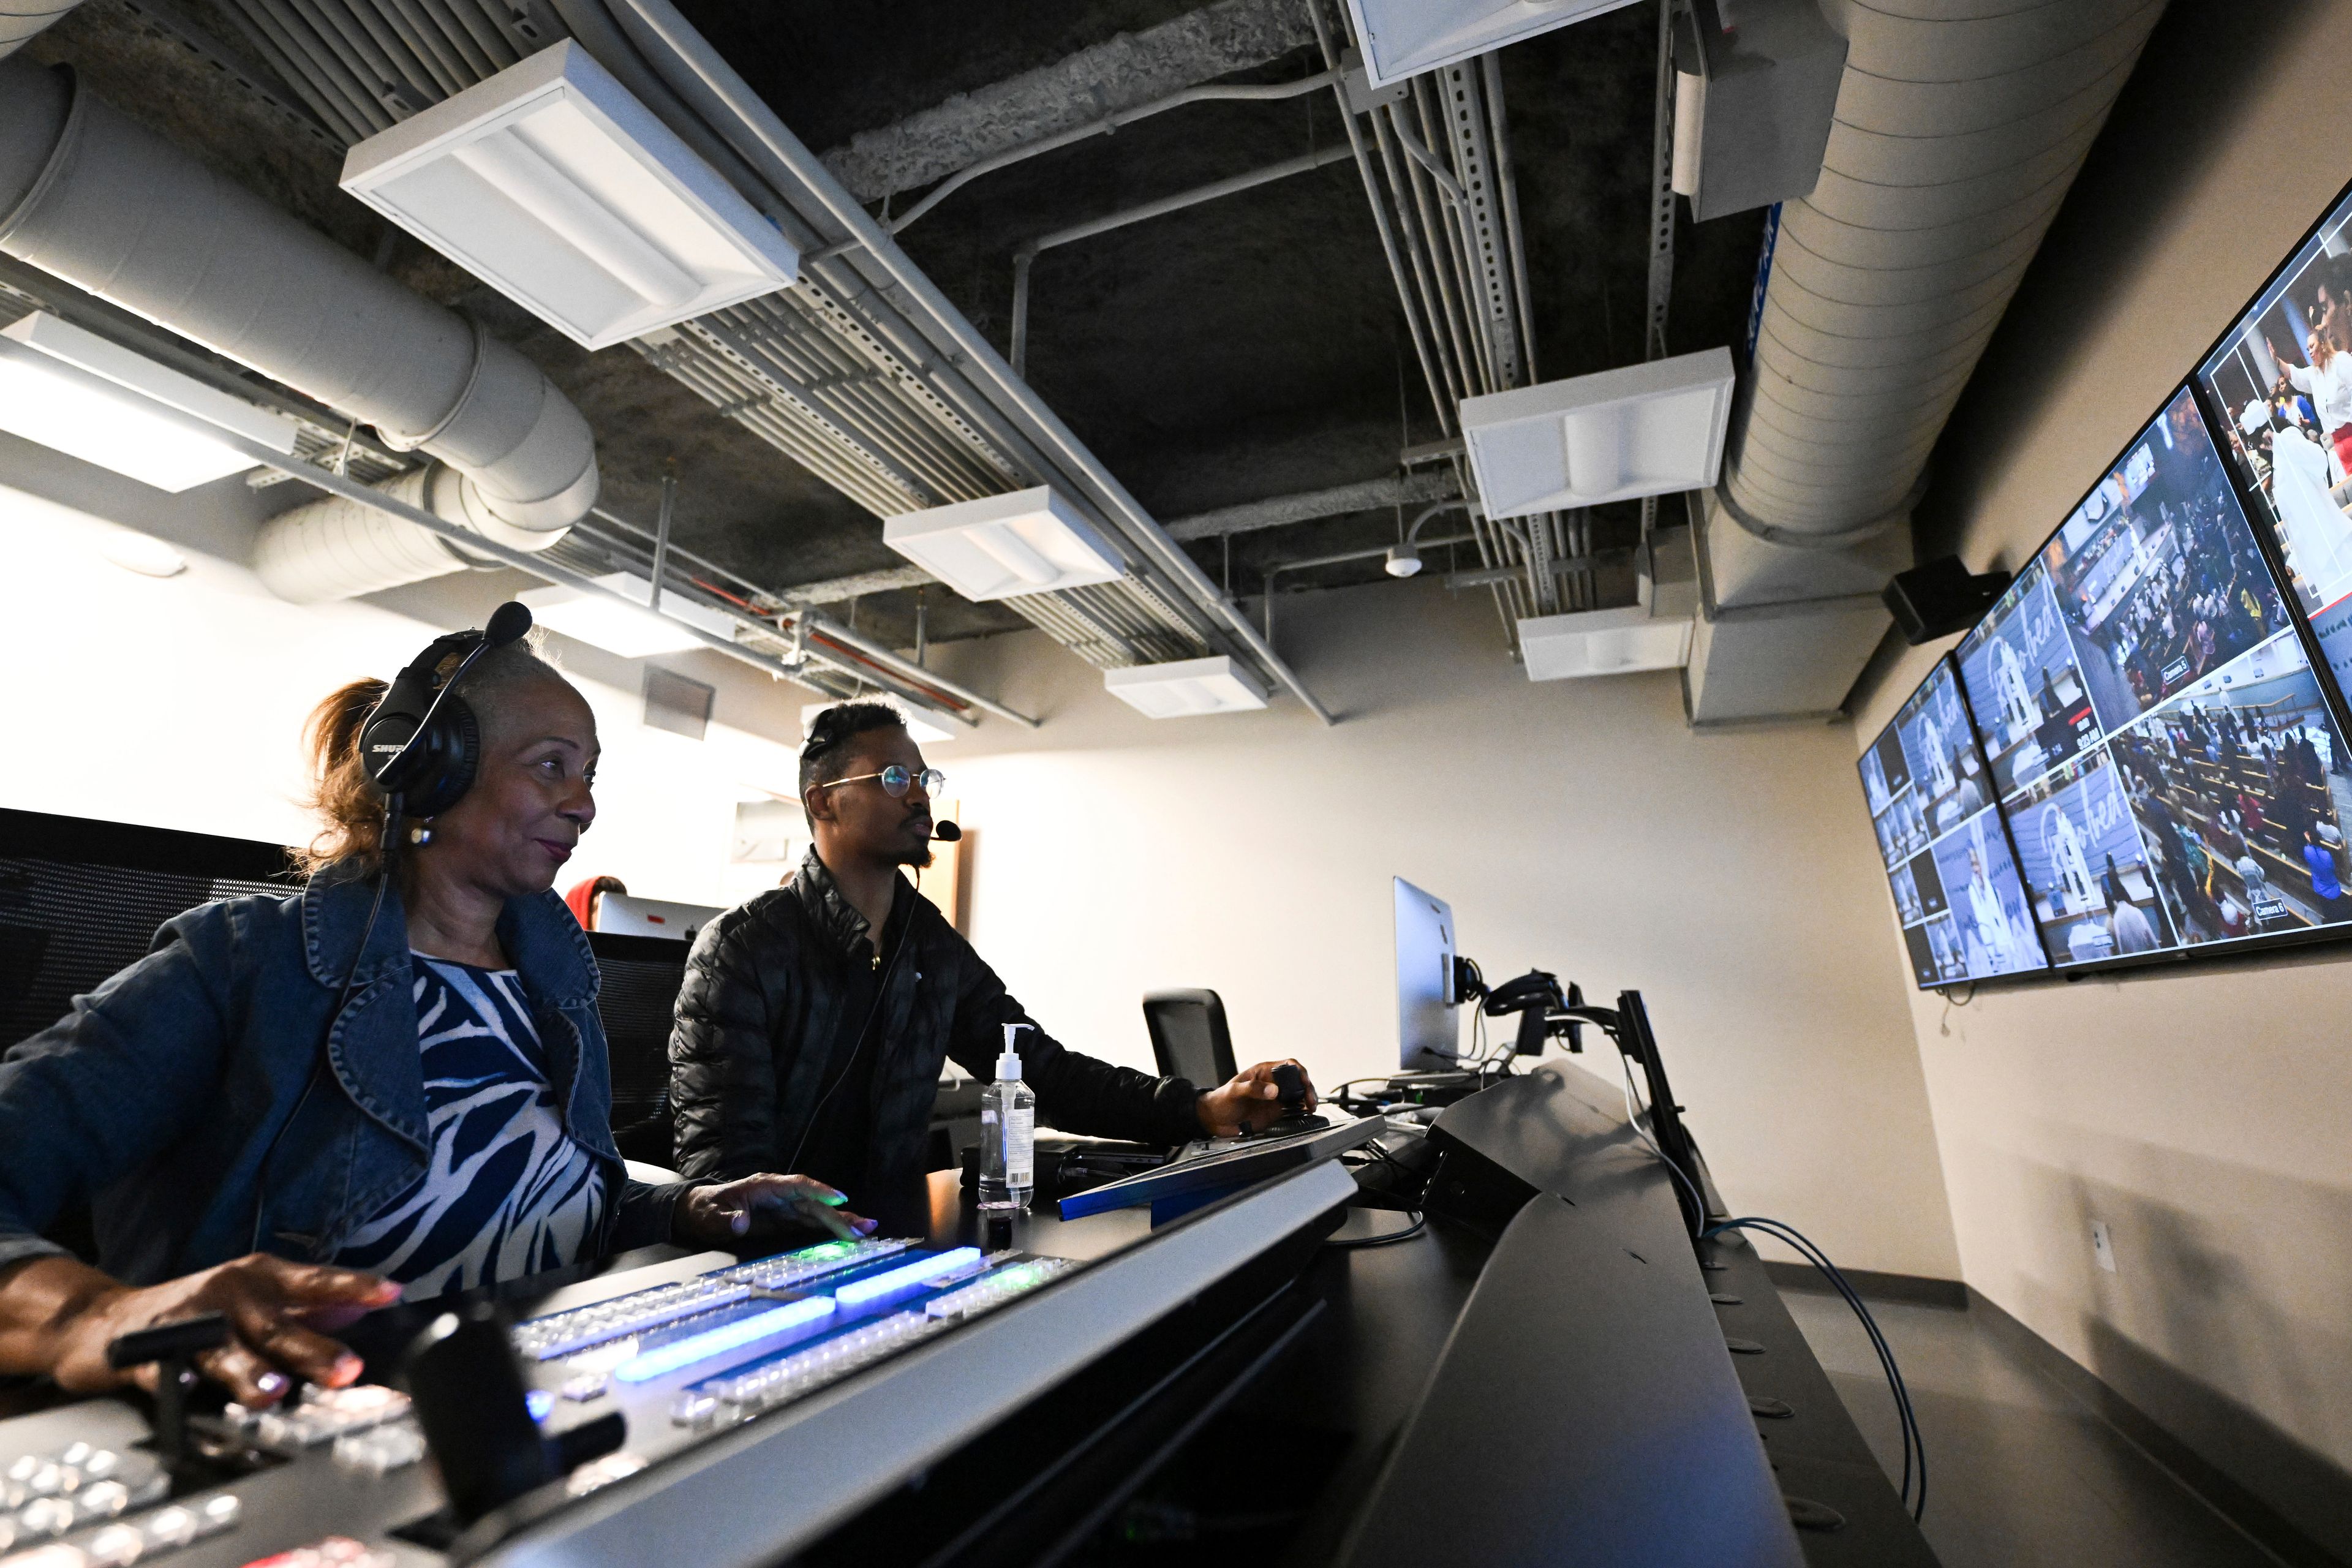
(2159, 741)
(1428, 1035)
(2281, 381)
(1958, 895)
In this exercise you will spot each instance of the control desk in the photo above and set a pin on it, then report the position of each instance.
(1230, 1365)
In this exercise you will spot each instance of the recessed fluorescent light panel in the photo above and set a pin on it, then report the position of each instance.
(1404, 37)
(1031, 542)
(919, 730)
(98, 401)
(1602, 642)
(553, 183)
(1646, 430)
(624, 629)
(1186, 688)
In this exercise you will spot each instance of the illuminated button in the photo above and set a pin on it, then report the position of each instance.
(46, 1516)
(545, 1339)
(50, 1557)
(323, 1415)
(727, 1339)
(380, 1451)
(101, 1499)
(116, 1546)
(998, 1287)
(907, 1277)
(804, 1372)
(795, 1268)
(39, 1475)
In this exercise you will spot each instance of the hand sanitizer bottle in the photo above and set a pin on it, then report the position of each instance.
(1008, 1133)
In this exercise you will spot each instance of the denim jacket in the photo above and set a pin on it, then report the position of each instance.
(157, 1098)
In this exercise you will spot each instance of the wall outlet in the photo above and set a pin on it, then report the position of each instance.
(2102, 1247)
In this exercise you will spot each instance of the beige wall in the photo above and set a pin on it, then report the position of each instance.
(179, 702)
(1575, 825)
(2205, 1116)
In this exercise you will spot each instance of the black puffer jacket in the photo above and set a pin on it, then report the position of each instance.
(761, 1023)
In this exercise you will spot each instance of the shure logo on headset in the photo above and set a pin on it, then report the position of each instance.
(389, 748)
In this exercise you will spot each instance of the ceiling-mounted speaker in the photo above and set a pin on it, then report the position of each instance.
(1940, 598)
(1402, 38)
(1756, 85)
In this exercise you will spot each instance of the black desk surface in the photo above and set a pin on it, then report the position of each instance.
(1561, 1393)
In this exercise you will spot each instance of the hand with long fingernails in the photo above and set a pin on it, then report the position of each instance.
(57, 1316)
(762, 1206)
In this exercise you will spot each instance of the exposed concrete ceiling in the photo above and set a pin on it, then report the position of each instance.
(1245, 349)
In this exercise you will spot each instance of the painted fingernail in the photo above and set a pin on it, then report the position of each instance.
(271, 1383)
(347, 1370)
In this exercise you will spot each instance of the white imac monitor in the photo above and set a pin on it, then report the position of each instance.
(1428, 1039)
(618, 914)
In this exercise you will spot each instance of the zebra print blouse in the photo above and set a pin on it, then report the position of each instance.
(506, 1191)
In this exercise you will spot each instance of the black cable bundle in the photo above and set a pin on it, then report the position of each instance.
(1913, 1447)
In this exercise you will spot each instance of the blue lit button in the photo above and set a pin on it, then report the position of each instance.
(718, 1341)
(857, 1293)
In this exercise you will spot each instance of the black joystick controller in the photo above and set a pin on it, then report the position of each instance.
(471, 1402)
(172, 1349)
(1292, 1083)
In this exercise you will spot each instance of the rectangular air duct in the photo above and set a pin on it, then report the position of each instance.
(553, 183)
(88, 398)
(1186, 689)
(1000, 547)
(1618, 435)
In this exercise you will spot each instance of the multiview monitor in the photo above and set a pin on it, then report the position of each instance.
(1957, 893)
(2171, 774)
(2280, 384)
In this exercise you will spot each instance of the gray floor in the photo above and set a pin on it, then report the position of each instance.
(2018, 1473)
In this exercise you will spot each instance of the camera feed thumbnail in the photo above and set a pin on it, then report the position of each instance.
(1991, 927)
(2028, 695)
(2238, 791)
(1964, 913)
(2284, 375)
(2157, 575)
(2094, 892)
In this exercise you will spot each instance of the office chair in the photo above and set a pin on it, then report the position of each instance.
(1189, 1038)
(641, 979)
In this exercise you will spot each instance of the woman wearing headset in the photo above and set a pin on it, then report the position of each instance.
(293, 1107)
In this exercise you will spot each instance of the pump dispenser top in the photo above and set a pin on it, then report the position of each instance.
(1008, 1066)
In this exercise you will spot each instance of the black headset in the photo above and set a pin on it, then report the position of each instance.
(421, 743)
(421, 746)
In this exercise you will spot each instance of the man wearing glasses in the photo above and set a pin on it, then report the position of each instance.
(806, 1042)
